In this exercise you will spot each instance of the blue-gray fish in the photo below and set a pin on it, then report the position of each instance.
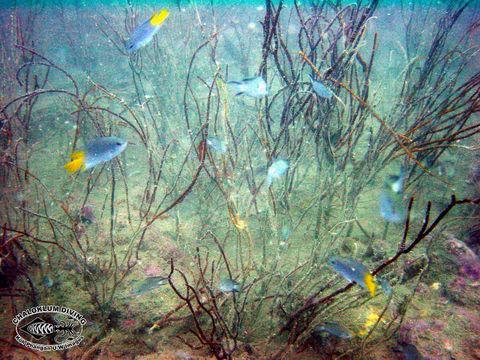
(96, 152)
(255, 87)
(276, 170)
(334, 329)
(150, 283)
(47, 281)
(320, 89)
(392, 207)
(286, 232)
(396, 182)
(352, 270)
(217, 145)
(144, 33)
(228, 285)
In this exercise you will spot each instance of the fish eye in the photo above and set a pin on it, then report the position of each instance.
(119, 144)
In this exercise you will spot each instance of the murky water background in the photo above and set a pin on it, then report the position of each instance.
(178, 248)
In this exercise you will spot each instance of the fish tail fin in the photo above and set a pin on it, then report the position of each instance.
(403, 175)
(77, 163)
(159, 17)
(269, 181)
(370, 284)
(240, 86)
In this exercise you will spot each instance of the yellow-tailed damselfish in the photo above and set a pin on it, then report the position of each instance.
(97, 151)
(144, 33)
(352, 270)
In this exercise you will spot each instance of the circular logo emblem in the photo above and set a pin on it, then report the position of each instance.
(49, 328)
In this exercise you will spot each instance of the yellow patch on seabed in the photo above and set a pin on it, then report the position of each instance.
(370, 321)
(159, 17)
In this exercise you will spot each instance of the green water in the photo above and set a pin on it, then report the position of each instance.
(140, 244)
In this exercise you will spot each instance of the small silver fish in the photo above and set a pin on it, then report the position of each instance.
(320, 89)
(217, 144)
(144, 33)
(396, 182)
(276, 170)
(96, 152)
(352, 270)
(150, 283)
(392, 208)
(228, 285)
(255, 87)
(47, 281)
(286, 232)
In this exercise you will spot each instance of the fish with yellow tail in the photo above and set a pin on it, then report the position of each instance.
(96, 152)
(352, 270)
(144, 33)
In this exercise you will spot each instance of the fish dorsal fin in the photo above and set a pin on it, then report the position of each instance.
(159, 17)
(370, 283)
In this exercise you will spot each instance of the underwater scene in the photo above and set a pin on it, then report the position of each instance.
(240, 179)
